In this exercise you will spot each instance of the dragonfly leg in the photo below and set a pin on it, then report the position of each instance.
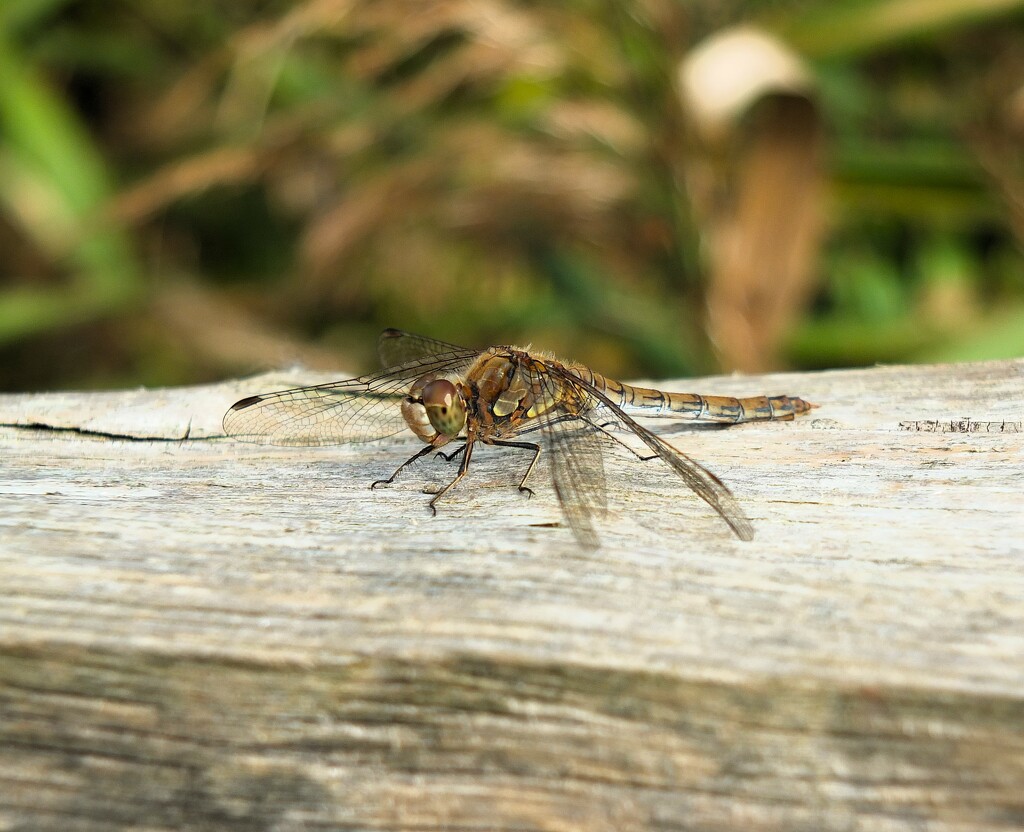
(611, 435)
(528, 446)
(452, 455)
(422, 452)
(463, 468)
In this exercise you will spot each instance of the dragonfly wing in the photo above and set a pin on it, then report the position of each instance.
(309, 416)
(396, 348)
(576, 461)
(577, 471)
(699, 479)
(358, 410)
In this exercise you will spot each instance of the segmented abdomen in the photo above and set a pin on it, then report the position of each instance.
(646, 401)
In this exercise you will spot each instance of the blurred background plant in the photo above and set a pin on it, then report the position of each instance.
(193, 191)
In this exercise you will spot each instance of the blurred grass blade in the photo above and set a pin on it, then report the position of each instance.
(53, 156)
(848, 29)
(25, 312)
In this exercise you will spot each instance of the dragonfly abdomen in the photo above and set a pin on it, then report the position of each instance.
(646, 401)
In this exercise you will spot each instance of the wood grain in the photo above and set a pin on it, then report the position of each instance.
(198, 634)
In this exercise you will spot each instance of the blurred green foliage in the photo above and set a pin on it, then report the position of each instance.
(188, 192)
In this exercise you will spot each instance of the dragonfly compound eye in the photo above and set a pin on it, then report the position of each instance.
(445, 407)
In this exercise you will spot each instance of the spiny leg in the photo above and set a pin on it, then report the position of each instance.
(422, 452)
(462, 472)
(528, 446)
(452, 455)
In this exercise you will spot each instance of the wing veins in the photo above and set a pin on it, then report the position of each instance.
(701, 481)
(577, 466)
(354, 410)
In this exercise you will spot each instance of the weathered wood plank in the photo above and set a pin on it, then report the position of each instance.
(205, 635)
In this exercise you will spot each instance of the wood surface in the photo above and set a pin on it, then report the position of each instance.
(199, 634)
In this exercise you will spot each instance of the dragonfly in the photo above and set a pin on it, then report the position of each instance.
(508, 397)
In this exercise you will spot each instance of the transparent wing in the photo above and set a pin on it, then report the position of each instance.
(575, 458)
(396, 348)
(358, 410)
(705, 484)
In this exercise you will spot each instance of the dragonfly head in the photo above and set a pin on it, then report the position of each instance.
(445, 407)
